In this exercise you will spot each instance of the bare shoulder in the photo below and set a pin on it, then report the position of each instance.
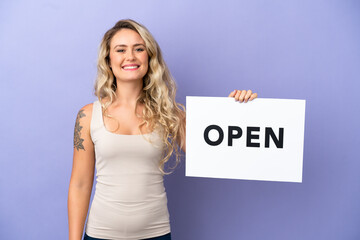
(87, 109)
(84, 114)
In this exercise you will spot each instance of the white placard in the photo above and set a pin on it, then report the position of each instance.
(259, 140)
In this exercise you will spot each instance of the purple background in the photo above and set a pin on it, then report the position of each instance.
(281, 49)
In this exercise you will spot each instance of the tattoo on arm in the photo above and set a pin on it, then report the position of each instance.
(77, 132)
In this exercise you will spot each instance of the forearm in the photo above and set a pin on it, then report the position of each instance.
(78, 205)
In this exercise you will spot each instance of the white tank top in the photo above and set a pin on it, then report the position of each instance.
(130, 200)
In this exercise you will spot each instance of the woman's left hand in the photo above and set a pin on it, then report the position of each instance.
(243, 95)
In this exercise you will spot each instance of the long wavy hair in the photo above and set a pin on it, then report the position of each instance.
(157, 96)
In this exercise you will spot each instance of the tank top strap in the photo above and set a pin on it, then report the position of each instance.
(96, 119)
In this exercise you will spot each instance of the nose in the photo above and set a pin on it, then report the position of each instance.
(130, 55)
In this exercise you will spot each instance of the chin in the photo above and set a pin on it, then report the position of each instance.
(130, 79)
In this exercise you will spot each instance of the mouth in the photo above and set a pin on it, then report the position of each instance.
(130, 67)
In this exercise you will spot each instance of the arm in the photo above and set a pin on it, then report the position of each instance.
(82, 174)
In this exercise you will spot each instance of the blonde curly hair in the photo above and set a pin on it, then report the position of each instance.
(157, 96)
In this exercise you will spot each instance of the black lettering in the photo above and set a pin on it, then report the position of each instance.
(231, 136)
(250, 136)
(206, 135)
(279, 142)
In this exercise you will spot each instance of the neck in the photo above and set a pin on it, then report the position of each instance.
(128, 92)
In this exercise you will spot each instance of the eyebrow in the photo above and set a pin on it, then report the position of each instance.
(124, 45)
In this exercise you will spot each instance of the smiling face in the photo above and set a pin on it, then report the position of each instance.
(128, 56)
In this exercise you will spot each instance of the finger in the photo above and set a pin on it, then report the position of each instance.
(242, 95)
(253, 96)
(237, 95)
(247, 96)
(232, 94)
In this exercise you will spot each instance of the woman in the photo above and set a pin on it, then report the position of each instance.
(131, 130)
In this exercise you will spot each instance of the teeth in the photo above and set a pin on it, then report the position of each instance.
(131, 67)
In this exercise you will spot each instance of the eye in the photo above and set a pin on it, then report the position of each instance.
(120, 50)
(139, 49)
